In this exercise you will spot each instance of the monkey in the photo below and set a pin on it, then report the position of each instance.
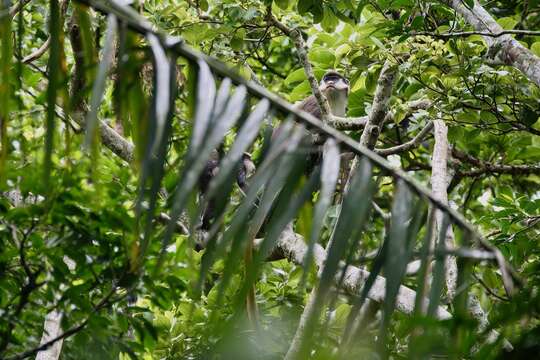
(245, 170)
(335, 88)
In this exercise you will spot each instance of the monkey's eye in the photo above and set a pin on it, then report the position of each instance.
(334, 78)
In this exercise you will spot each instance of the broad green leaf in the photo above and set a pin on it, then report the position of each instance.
(283, 4)
(304, 6)
(329, 21)
(507, 23)
(322, 57)
(535, 48)
(341, 51)
(300, 91)
(295, 77)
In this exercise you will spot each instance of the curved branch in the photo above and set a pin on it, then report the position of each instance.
(414, 142)
(38, 53)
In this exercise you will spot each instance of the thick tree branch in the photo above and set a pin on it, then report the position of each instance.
(294, 248)
(51, 329)
(379, 108)
(439, 183)
(504, 48)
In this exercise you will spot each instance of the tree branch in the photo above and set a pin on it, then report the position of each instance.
(504, 48)
(38, 53)
(298, 40)
(414, 142)
(439, 183)
(484, 167)
(294, 248)
(482, 33)
(380, 106)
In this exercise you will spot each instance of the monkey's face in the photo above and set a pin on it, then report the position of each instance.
(334, 85)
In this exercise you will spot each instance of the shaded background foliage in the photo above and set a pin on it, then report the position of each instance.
(75, 240)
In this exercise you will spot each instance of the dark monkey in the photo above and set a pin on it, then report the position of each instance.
(335, 88)
(245, 170)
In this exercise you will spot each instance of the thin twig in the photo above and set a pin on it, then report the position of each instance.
(482, 33)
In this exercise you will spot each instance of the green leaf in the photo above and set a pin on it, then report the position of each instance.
(279, 175)
(528, 116)
(322, 57)
(405, 224)
(196, 159)
(535, 48)
(341, 51)
(317, 11)
(352, 218)
(295, 77)
(52, 88)
(424, 264)
(265, 171)
(92, 122)
(282, 4)
(300, 91)
(206, 92)
(329, 178)
(329, 21)
(304, 6)
(507, 23)
(469, 4)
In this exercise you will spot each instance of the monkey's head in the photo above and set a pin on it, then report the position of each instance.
(336, 89)
(333, 83)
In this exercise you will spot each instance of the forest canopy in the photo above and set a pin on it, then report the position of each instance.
(165, 192)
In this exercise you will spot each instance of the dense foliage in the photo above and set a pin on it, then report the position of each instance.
(84, 227)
